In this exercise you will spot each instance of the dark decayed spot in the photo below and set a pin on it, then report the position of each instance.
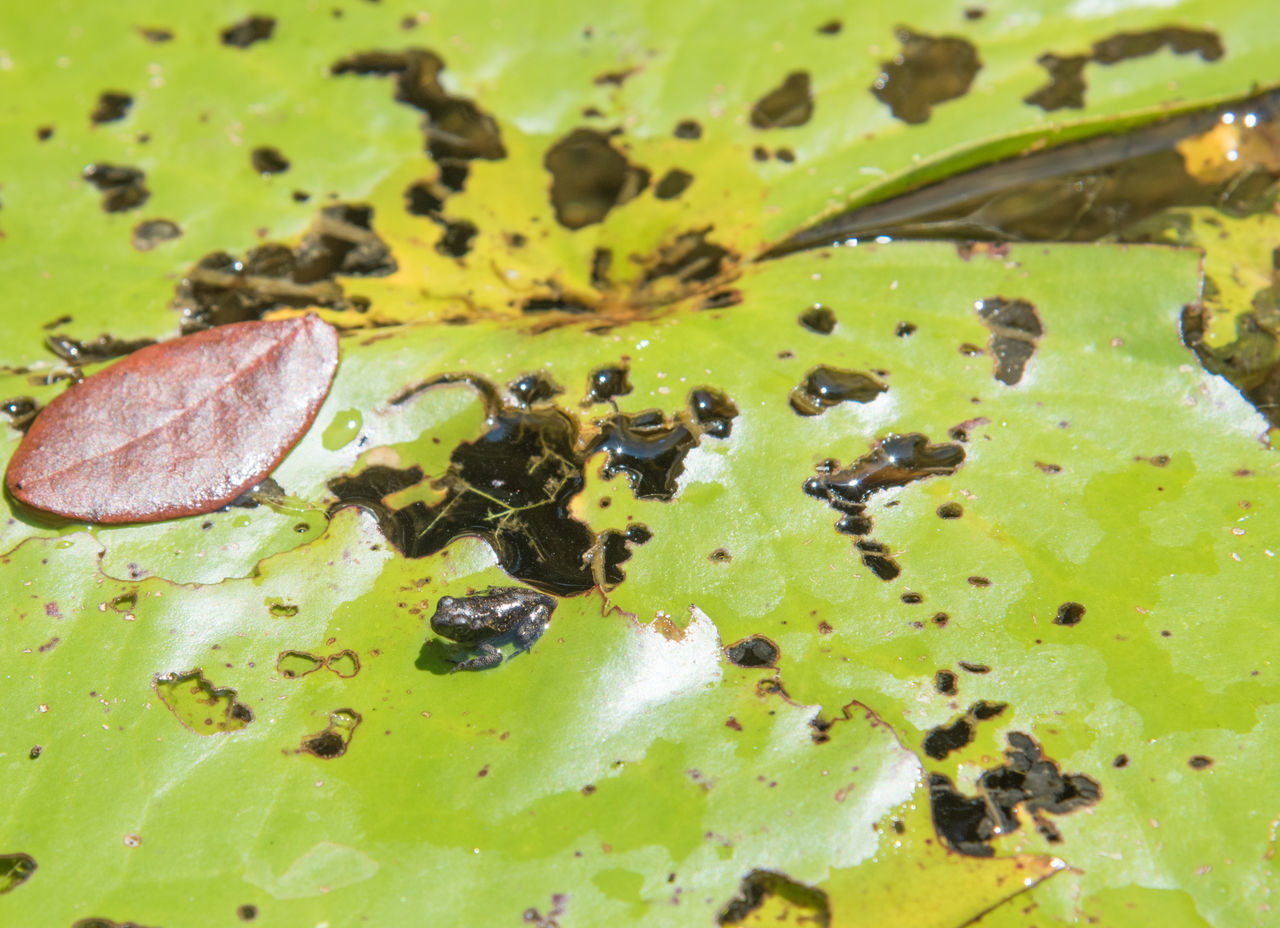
(121, 186)
(673, 183)
(336, 737)
(1180, 41)
(247, 913)
(1015, 332)
(221, 289)
(912, 598)
(104, 923)
(722, 300)
(44, 133)
(756, 651)
(512, 486)
(35, 752)
(904, 329)
(199, 705)
(1121, 761)
(15, 869)
(421, 200)
(1026, 779)
(111, 106)
(971, 667)
(974, 12)
(455, 129)
(540, 304)
(941, 741)
(789, 104)
(601, 263)
(155, 34)
(267, 160)
(20, 411)
(1066, 85)
(690, 258)
(151, 232)
(927, 71)
(944, 739)
(427, 199)
(688, 129)
(981, 582)
(824, 387)
(650, 448)
(818, 318)
(1069, 614)
(604, 383)
(455, 240)
(830, 27)
(589, 177)
(808, 904)
(713, 411)
(950, 511)
(944, 681)
(894, 461)
(1200, 762)
(102, 348)
(249, 30)
(534, 387)
(614, 78)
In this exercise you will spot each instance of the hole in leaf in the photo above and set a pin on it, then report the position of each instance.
(200, 706)
(589, 177)
(122, 187)
(248, 31)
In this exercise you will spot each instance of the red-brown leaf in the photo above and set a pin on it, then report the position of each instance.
(178, 428)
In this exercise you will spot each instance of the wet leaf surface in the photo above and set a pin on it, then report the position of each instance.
(1046, 644)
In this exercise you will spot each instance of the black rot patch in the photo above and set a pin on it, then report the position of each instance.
(925, 72)
(806, 904)
(787, 105)
(1026, 780)
(1016, 330)
(589, 177)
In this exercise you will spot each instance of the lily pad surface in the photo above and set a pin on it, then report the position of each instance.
(907, 581)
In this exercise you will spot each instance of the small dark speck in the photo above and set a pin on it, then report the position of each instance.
(247, 913)
(950, 511)
(588, 789)
(830, 27)
(44, 133)
(1199, 762)
(688, 129)
(940, 619)
(1069, 614)
(111, 106)
(974, 12)
(912, 598)
(301, 196)
(904, 329)
(974, 668)
(825, 628)
(979, 582)
(267, 160)
(1122, 760)
(247, 31)
(944, 681)
(36, 751)
(1049, 468)
(1165, 633)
